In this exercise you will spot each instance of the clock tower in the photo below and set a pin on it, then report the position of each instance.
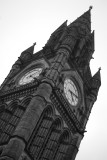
(46, 99)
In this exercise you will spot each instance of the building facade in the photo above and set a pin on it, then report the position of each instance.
(46, 99)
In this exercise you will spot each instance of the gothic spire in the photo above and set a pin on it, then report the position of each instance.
(27, 54)
(61, 27)
(97, 77)
(86, 42)
(83, 23)
(88, 48)
(96, 83)
(29, 50)
(56, 35)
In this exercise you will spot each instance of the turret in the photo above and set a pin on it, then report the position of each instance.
(82, 24)
(25, 57)
(91, 95)
(56, 36)
(27, 54)
(96, 83)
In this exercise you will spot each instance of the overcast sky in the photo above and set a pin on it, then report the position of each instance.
(23, 22)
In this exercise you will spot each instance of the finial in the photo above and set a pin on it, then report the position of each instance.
(92, 57)
(90, 7)
(34, 43)
(99, 68)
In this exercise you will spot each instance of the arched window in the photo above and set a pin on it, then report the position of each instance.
(41, 132)
(63, 146)
(25, 102)
(5, 118)
(51, 144)
(10, 118)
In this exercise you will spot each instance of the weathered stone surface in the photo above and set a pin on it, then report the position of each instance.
(13, 149)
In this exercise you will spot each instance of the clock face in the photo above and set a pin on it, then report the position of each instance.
(71, 92)
(30, 76)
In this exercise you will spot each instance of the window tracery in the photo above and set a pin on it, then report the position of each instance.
(41, 133)
(9, 120)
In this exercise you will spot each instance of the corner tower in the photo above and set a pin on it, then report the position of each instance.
(46, 99)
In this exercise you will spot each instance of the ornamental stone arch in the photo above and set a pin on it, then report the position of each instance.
(51, 143)
(58, 122)
(41, 132)
(25, 101)
(8, 121)
(13, 105)
(66, 135)
(49, 110)
(63, 145)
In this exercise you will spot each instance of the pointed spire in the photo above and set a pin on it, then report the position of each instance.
(27, 54)
(95, 84)
(97, 76)
(34, 43)
(83, 23)
(90, 8)
(96, 80)
(88, 48)
(56, 35)
(29, 50)
(61, 27)
(87, 41)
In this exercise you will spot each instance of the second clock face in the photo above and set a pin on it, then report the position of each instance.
(71, 92)
(30, 76)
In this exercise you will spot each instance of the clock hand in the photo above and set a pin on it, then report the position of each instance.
(74, 90)
(75, 95)
(71, 95)
(33, 77)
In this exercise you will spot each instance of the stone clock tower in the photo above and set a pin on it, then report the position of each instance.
(46, 99)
